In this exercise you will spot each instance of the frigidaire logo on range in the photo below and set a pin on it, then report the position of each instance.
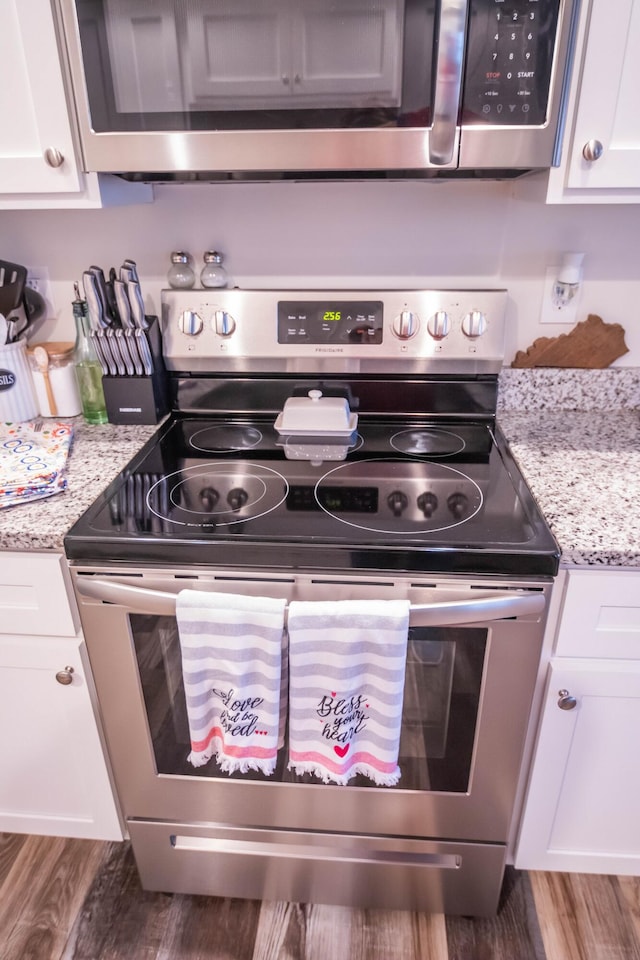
(329, 350)
(7, 379)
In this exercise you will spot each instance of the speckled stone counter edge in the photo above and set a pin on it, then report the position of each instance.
(535, 389)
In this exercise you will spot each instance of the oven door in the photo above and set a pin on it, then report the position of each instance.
(313, 85)
(472, 660)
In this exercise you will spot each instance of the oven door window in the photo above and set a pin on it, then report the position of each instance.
(162, 65)
(442, 696)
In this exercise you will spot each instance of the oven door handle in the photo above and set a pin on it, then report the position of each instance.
(446, 98)
(496, 606)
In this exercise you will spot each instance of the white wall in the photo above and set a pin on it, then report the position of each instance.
(369, 234)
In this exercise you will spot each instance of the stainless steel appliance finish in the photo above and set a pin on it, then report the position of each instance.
(423, 503)
(422, 846)
(388, 331)
(302, 86)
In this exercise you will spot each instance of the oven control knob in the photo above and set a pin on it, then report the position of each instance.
(223, 323)
(237, 498)
(457, 504)
(405, 325)
(439, 325)
(190, 323)
(209, 496)
(427, 502)
(397, 501)
(474, 324)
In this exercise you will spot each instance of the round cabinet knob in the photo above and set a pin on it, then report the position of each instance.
(405, 325)
(53, 157)
(474, 324)
(592, 150)
(439, 325)
(190, 323)
(223, 323)
(65, 677)
(566, 701)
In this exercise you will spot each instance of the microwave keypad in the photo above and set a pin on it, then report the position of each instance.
(509, 60)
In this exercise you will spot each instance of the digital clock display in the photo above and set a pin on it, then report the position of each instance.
(330, 322)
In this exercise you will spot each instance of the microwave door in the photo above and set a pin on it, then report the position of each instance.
(266, 85)
(448, 81)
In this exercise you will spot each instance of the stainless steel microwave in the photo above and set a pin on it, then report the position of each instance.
(259, 87)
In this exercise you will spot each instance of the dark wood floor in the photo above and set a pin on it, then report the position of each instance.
(81, 900)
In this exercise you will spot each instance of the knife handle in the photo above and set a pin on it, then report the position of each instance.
(145, 352)
(122, 300)
(137, 305)
(94, 303)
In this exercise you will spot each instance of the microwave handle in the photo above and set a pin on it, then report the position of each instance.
(449, 63)
(497, 606)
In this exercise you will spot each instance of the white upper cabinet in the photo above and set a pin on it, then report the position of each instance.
(601, 150)
(38, 164)
(35, 132)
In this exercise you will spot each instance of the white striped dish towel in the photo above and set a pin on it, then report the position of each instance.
(346, 682)
(232, 669)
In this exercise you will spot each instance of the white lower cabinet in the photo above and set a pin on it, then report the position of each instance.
(582, 809)
(54, 776)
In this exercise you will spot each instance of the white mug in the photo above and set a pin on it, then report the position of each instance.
(17, 394)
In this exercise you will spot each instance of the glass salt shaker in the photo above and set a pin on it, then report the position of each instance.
(213, 273)
(180, 275)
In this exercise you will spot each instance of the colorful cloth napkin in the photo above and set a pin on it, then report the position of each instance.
(232, 669)
(33, 457)
(346, 685)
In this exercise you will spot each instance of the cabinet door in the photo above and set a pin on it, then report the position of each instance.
(608, 99)
(33, 107)
(143, 54)
(602, 107)
(581, 811)
(354, 58)
(54, 777)
(237, 54)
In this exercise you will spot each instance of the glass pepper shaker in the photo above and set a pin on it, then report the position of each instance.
(180, 275)
(88, 368)
(213, 273)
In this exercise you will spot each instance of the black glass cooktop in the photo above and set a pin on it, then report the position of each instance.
(411, 496)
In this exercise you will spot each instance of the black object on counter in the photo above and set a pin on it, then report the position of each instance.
(140, 399)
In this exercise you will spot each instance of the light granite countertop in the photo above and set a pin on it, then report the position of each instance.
(583, 465)
(98, 454)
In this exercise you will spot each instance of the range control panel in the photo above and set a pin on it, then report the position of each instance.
(509, 61)
(388, 330)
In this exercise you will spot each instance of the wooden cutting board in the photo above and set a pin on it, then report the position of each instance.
(591, 345)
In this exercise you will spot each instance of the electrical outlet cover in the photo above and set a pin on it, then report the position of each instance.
(38, 279)
(550, 313)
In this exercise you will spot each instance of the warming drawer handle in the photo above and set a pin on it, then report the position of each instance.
(449, 62)
(497, 606)
(301, 851)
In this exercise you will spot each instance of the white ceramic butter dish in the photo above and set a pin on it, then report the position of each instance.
(316, 416)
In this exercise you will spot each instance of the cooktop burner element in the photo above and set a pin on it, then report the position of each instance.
(427, 443)
(209, 495)
(351, 493)
(225, 436)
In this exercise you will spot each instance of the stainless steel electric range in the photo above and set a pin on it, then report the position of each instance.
(414, 496)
